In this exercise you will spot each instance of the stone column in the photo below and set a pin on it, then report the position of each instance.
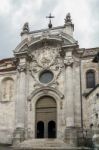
(69, 93)
(20, 102)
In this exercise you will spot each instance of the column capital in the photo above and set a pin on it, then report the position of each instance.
(68, 61)
(21, 68)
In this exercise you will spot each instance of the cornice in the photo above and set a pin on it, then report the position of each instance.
(7, 59)
(8, 69)
(90, 52)
(47, 29)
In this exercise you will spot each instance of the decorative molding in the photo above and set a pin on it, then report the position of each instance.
(90, 52)
(45, 90)
(61, 104)
(49, 60)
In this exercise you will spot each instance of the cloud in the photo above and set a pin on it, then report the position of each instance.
(5, 7)
(14, 13)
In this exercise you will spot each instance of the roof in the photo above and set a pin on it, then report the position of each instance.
(7, 64)
(91, 91)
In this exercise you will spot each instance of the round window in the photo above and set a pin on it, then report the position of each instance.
(46, 76)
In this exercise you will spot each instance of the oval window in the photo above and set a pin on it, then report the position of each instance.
(46, 76)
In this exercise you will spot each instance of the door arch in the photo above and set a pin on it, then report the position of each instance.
(46, 112)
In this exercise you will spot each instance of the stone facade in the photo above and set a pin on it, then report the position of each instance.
(48, 64)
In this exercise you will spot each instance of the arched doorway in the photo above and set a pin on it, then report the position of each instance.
(46, 117)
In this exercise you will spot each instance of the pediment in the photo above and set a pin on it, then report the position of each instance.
(22, 47)
(34, 44)
(51, 40)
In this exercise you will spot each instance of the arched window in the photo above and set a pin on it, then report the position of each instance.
(90, 79)
(7, 89)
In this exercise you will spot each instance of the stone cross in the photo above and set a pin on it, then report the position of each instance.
(50, 17)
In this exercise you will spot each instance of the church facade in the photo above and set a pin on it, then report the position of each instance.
(49, 90)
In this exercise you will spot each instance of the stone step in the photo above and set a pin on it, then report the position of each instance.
(56, 148)
(46, 144)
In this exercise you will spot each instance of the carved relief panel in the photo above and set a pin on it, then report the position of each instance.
(46, 60)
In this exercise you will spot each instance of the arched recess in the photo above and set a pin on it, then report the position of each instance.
(46, 111)
(7, 89)
(45, 91)
(32, 101)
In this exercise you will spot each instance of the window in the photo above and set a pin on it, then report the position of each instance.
(90, 79)
(46, 76)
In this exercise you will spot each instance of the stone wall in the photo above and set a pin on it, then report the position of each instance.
(87, 64)
(7, 108)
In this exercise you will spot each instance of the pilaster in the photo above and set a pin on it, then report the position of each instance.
(21, 100)
(68, 61)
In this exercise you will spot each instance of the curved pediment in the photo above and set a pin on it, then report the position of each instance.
(22, 47)
(43, 42)
(39, 42)
(32, 43)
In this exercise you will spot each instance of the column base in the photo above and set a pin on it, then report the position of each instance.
(19, 136)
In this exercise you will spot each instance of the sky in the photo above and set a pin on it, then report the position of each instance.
(14, 13)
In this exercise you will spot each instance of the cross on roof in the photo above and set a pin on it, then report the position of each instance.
(50, 17)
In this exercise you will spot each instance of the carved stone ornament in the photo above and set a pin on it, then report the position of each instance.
(48, 59)
(77, 63)
(68, 61)
(26, 27)
(21, 68)
(47, 56)
(45, 34)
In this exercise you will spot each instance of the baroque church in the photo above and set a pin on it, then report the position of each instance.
(49, 92)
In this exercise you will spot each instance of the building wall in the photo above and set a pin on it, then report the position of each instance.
(86, 65)
(7, 107)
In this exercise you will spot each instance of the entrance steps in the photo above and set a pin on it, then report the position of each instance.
(46, 144)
